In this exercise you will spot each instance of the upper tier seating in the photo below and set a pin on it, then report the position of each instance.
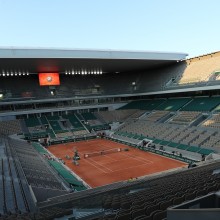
(32, 122)
(57, 126)
(77, 127)
(117, 115)
(44, 120)
(88, 116)
(173, 104)
(148, 104)
(200, 69)
(74, 121)
(145, 80)
(93, 121)
(202, 104)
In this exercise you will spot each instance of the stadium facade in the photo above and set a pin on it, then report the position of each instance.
(153, 102)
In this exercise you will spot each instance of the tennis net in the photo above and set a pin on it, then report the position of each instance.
(102, 152)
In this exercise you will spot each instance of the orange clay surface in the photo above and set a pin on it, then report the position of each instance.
(105, 169)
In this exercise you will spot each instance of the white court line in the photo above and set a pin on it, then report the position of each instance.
(129, 167)
(100, 165)
(110, 158)
(91, 163)
(135, 157)
(145, 162)
(87, 160)
(141, 158)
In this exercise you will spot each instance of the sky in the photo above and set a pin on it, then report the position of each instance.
(189, 26)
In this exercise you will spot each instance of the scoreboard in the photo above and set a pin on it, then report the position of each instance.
(49, 79)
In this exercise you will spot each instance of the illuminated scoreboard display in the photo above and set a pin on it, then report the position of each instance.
(49, 79)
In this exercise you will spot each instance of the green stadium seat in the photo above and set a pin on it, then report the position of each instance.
(144, 104)
(173, 104)
(171, 144)
(202, 104)
(32, 122)
(88, 116)
(193, 149)
(156, 141)
(206, 151)
(182, 146)
(74, 121)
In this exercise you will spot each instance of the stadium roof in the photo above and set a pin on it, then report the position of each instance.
(34, 60)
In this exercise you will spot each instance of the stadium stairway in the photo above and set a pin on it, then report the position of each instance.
(199, 120)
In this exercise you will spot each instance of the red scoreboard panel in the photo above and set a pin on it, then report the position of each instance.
(49, 79)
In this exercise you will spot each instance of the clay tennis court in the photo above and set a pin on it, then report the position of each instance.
(113, 167)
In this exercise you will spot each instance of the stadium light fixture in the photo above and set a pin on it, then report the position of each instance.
(3, 74)
(1, 95)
